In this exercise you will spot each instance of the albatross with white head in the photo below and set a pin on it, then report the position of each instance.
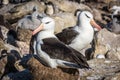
(81, 35)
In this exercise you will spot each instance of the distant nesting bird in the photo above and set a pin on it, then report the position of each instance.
(114, 25)
(115, 9)
(52, 51)
(80, 35)
(50, 8)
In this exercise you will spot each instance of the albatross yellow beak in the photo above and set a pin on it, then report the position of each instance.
(94, 24)
(37, 29)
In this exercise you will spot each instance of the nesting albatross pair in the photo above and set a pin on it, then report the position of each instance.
(54, 52)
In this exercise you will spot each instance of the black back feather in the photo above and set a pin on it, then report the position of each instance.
(58, 50)
(67, 35)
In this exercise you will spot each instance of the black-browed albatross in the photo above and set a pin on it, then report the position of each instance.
(81, 35)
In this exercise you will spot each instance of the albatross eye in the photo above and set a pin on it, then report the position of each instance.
(87, 16)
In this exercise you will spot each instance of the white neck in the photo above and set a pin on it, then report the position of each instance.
(45, 34)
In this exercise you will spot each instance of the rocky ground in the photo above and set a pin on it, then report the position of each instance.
(16, 59)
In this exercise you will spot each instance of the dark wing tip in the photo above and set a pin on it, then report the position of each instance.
(80, 59)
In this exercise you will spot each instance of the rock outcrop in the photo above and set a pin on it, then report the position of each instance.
(108, 44)
(23, 9)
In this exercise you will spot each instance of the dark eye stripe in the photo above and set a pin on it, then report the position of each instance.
(87, 16)
(47, 22)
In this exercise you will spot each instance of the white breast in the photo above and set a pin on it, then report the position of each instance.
(83, 39)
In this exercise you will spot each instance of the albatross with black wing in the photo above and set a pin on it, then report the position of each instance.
(54, 52)
(80, 35)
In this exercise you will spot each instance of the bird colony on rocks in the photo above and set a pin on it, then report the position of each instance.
(59, 39)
